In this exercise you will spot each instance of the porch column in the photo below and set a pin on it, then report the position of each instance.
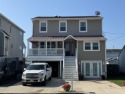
(46, 48)
(63, 55)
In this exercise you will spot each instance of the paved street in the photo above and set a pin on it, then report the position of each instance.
(54, 86)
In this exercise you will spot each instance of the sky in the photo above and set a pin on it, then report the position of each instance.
(113, 12)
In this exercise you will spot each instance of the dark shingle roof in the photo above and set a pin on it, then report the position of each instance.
(68, 17)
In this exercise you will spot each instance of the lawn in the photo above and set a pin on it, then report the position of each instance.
(117, 80)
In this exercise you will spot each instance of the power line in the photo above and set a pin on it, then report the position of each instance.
(113, 33)
(116, 38)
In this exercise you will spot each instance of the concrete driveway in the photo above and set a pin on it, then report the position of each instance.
(54, 86)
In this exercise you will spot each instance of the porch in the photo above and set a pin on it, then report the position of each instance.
(61, 50)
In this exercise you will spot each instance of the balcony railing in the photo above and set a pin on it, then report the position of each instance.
(45, 52)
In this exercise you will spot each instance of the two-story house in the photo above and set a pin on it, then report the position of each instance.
(70, 44)
(11, 38)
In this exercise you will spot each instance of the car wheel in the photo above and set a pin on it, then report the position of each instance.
(23, 83)
(44, 82)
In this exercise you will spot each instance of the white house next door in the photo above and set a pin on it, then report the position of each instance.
(91, 69)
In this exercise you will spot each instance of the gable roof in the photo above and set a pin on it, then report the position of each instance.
(1, 15)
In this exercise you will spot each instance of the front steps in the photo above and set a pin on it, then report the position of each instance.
(70, 70)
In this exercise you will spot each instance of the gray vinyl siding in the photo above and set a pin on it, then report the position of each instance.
(15, 40)
(5, 26)
(91, 55)
(94, 28)
(121, 60)
(1, 44)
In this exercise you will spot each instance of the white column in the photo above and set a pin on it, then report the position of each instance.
(46, 48)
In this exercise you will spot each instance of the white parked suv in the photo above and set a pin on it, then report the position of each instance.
(36, 73)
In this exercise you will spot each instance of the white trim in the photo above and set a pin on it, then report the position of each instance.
(80, 25)
(65, 24)
(40, 26)
(91, 44)
(44, 58)
(70, 36)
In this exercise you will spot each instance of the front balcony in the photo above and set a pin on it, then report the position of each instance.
(46, 52)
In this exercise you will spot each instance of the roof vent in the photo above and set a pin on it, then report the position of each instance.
(97, 13)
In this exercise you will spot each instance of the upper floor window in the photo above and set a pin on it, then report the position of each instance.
(62, 26)
(91, 46)
(82, 26)
(43, 26)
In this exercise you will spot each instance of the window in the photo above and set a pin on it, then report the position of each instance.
(42, 44)
(48, 44)
(63, 26)
(95, 46)
(43, 27)
(82, 26)
(91, 46)
(53, 44)
(60, 44)
(87, 46)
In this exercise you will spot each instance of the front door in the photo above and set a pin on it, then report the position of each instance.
(70, 48)
(91, 69)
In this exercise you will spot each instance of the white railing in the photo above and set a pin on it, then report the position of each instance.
(45, 52)
(76, 60)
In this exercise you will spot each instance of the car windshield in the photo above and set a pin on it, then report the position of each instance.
(35, 67)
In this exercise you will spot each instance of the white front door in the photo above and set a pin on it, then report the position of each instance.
(91, 69)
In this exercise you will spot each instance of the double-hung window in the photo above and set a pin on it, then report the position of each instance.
(87, 46)
(62, 26)
(43, 26)
(91, 46)
(82, 26)
(95, 46)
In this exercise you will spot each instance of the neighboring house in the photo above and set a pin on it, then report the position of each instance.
(11, 38)
(70, 44)
(121, 60)
(112, 56)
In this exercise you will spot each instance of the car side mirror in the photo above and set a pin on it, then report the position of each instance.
(47, 69)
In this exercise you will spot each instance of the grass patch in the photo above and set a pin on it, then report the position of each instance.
(117, 80)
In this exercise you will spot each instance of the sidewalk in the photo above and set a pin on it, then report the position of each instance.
(95, 87)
